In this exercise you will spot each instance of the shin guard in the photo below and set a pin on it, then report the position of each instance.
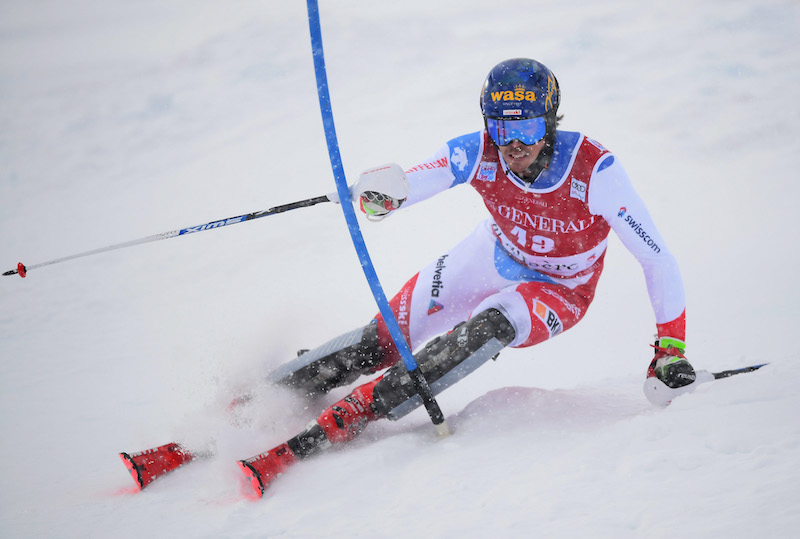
(336, 363)
(444, 361)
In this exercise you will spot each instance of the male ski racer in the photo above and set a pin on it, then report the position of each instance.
(525, 275)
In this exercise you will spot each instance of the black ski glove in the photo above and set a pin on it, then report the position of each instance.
(670, 365)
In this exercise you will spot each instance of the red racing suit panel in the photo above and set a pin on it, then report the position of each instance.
(551, 229)
(400, 305)
(553, 308)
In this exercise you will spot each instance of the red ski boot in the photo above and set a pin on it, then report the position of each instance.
(347, 418)
(150, 464)
(264, 468)
(340, 423)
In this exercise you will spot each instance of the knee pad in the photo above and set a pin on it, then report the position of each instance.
(444, 361)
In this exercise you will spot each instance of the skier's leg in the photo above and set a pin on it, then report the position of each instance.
(520, 316)
(444, 361)
(430, 303)
(337, 424)
(445, 292)
(336, 363)
(542, 310)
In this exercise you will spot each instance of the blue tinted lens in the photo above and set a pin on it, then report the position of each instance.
(528, 131)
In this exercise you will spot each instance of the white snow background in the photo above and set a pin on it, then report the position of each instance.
(120, 120)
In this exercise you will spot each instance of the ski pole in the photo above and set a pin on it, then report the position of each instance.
(22, 269)
(420, 383)
(732, 372)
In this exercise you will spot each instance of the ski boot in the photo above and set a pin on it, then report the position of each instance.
(339, 423)
(148, 465)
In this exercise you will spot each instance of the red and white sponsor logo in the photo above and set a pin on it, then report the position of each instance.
(577, 189)
(430, 165)
(487, 172)
(548, 316)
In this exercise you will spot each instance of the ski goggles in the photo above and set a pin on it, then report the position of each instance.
(528, 131)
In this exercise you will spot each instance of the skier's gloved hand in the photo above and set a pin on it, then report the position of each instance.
(670, 365)
(377, 205)
(380, 190)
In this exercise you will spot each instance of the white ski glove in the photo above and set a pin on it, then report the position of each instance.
(380, 190)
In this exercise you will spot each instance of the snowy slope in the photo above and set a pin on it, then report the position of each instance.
(119, 120)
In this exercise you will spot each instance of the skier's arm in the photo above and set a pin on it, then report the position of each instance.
(430, 177)
(382, 190)
(453, 164)
(612, 196)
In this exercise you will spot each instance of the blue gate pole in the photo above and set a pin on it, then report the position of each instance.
(421, 385)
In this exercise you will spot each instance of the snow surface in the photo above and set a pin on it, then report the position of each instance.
(126, 119)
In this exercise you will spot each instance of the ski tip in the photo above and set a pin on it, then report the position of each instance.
(255, 480)
(133, 469)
